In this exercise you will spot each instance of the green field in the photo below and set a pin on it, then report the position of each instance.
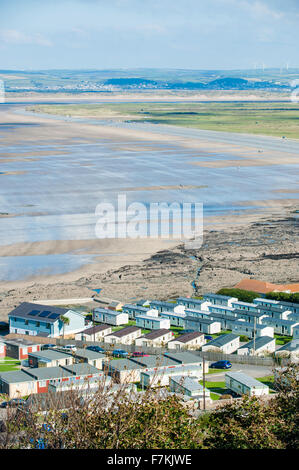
(261, 118)
(8, 363)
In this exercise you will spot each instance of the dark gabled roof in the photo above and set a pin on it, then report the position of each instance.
(16, 376)
(184, 357)
(95, 329)
(200, 320)
(156, 333)
(125, 331)
(188, 337)
(222, 340)
(81, 368)
(39, 312)
(259, 342)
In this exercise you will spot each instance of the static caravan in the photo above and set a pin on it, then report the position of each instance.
(187, 358)
(281, 327)
(162, 306)
(188, 386)
(243, 384)
(247, 329)
(175, 318)
(17, 384)
(155, 338)
(49, 358)
(90, 357)
(126, 335)
(227, 344)
(247, 306)
(124, 370)
(193, 340)
(103, 315)
(221, 300)
(296, 332)
(190, 303)
(94, 333)
(290, 350)
(262, 346)
(202, 324)
(133, 310)
(161, 377)
(150, 322)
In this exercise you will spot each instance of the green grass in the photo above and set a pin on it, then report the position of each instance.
(215, 371)
(281, 339)
(216, 388)
(222, 332)
(9, 363)
(177, 330)
(268, 380)
(262, 118)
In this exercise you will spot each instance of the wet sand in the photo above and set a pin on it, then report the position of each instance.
(129, 269)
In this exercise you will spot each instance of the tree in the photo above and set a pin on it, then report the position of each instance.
(65, 321)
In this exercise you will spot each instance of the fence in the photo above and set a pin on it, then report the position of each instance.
(210, 356)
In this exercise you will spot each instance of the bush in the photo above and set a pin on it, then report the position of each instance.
(283, 296)
(240, 294)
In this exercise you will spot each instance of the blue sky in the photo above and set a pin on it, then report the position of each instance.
(192, 34)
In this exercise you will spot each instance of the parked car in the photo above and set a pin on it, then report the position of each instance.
(12, 403)
(95, 349)
(119, 353)
(3, 325)
(69, 347)
(221, 365)
(48, 346)
(208, 337)
(139, 354)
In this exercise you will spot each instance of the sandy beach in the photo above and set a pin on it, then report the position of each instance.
(259, 238)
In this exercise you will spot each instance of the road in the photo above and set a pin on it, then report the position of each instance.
(252, 370)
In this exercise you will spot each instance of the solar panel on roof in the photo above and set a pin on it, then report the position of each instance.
(54, 316)
(45, 313)
(33, 312)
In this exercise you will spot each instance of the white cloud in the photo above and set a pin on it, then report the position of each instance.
(13, 36)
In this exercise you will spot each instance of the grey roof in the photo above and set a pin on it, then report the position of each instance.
(248, 304)
(279, 321)
(273, 308)
(160, 303)
(190, 383)
(125, 331)
(184, 357)
(82, 368)
(32, 311)
(222, 340)
(88, 354)
(259, 342)
(218, 296)
(222, 316)
(182, 369)
(138, 308)
(149, 317)
(20, 342)
(185, 338)
(246, 379)
(47, 373)
(124, 364)
(15, 376)
(106, 311)
(291, 346)
(248, 313)
(156, 333)
(200, 320)
(191, 300)
(50, 354)
(95, 329)
(154, 361)
(258, 326)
